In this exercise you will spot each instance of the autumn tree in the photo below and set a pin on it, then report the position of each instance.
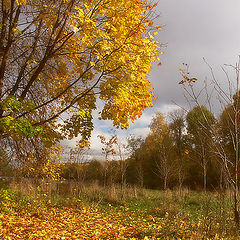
(78, 156)
(135, 170)
(160, 142)
(229, 131)
(225, 133)
(108, 150)
(58, 57)
(121, 161)
(228, 147)
(200, 121)
(177, 129)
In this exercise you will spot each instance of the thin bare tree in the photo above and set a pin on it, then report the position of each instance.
(226, 132)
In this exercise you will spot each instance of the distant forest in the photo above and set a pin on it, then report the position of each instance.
(193, 149)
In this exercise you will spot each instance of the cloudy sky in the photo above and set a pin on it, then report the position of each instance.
(192, 30)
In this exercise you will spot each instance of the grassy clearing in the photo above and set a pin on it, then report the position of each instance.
(77, 211)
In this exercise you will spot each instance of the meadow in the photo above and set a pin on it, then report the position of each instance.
(71, 210)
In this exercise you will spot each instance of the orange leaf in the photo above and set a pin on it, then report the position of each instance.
(150, 23)
(186, 151)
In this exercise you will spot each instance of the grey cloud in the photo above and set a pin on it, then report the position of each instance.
(193, 30)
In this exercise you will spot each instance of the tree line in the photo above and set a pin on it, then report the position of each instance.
(193, 149)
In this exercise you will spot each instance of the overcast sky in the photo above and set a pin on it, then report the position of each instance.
(192, 30)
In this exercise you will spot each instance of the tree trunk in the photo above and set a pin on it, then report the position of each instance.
(180, 177)
(236, 212)
(165, 182)
(204, 175)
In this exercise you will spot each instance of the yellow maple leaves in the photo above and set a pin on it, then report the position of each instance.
(119, 49)
(21, 2)
(80, 221)
(82, 51)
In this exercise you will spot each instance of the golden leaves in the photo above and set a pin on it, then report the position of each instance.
(7, 4)
(75, 29)
(21, 2)
(122, 51)
(107, 37)
(150, 23)
(121, 222)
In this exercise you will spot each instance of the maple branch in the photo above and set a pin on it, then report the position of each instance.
(77, 98)
(57, 96)
(15, 87)
(6, 49)
(48, 54)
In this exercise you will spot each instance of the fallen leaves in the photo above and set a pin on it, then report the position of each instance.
(36, 218)
(94, 223)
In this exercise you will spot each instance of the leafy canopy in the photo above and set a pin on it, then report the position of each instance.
(58, 57)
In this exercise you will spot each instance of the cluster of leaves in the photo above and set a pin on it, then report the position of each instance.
(10, 125)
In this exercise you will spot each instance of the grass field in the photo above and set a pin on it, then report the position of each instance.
(93, 212)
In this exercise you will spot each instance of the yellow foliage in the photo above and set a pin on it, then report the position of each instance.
(121, 50)
(73, 54)
(21, 2)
